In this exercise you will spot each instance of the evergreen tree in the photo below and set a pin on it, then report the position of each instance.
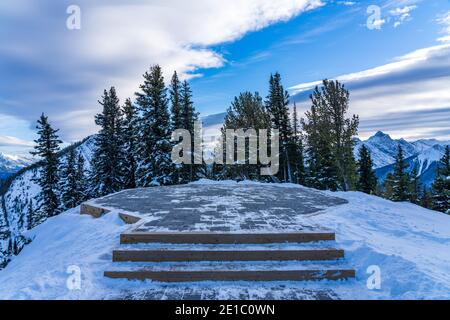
(277, 106)
(129, 140)
(367, 180)
(322, 171)
(30, 214)
(82, 185)
(246, 112)
(47, 147)
(400, 178)
(329, 136)
(426, 200)
(69, 183)
(388, 190)
(440, 191)
(299, 159)
(176, 103)
(154, 145)
(188, 118)
(415, 187)
(107, 171)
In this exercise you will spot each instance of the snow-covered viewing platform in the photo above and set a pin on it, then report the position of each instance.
(209, 228)
(209, 206)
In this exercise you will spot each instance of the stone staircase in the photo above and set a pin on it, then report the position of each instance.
(214, 256)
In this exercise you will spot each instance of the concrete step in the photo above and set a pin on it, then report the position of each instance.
(226, 255)
(227, 275)
(224, 238)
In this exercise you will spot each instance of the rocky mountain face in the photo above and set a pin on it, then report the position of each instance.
(422, 155)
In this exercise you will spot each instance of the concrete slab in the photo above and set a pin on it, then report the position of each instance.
(219, 207)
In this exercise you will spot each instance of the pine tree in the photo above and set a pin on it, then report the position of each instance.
(426, 200)
(176, 103)
(329, 136)
(82, 185)
(335, 99)
(367, 180)
(154, 146)
(440, 190)
(246, 112)
(188, 118)
(107, 171)
(30, 214)
(415, 187)
(47, 147)
(322, 170)
(401, 178)
(277, 106)
(299, 159)
(388, 188)
(129, 140)
(69, 183)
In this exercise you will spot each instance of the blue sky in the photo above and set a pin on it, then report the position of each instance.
(398, 75)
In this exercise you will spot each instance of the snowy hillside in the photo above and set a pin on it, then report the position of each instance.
(19, 201)
(409, 245)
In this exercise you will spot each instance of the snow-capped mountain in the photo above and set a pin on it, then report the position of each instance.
(10, 164)
(384, 149)
(422, 155)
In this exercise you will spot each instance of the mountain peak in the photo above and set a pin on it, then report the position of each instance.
(381, 134)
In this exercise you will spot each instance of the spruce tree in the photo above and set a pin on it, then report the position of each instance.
(69, 183)
(322, 170)
(246, 112)
(47, 147)
(176, 103)
(299, 159)
(277, 106)
(426, 200)
(440, 191)
(367, 180)
(107, 171)
(30, 214)
(415, 187)
(82, 184)
(129, 140)
(335, 103)
(400, 178)
(154, 166)
(188, 118)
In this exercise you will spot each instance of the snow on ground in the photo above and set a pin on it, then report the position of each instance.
(409, 244)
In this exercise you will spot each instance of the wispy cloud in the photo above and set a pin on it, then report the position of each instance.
(414, 83)
(63, 72)
(402, 14)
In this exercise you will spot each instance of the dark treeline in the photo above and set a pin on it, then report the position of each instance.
(133, 147)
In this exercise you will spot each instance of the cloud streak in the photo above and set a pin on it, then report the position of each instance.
(408, 97)
(49, 68)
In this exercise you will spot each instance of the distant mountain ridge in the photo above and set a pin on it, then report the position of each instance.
(10, 164)
(422, 155)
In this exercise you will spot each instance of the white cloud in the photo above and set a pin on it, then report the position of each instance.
(14, 142)
(402, 14)
(416, 83)
(118, 41)
(445, 21)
